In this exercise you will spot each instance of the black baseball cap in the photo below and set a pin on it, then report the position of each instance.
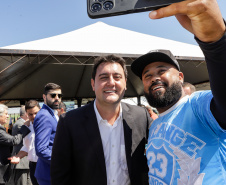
(159, 55)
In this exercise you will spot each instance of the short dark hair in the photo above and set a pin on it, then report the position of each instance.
(31, 104)
(109, 59)
(50, 86)
(62, 106)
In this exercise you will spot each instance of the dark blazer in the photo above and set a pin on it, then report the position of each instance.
(6, 141)
(78, 156)
(45, 125)
(24, 163)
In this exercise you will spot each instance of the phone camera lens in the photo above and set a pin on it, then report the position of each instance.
(108, 5)
(96, 7)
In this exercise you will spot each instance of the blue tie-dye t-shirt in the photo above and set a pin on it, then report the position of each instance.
(186, 145)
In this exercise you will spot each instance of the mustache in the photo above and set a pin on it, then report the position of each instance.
(157, 83)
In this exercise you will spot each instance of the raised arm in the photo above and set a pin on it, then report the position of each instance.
(6, 139)
(203, 18)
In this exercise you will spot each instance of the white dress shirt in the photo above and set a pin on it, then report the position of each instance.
(56, 115)
(113, 142)
(54, 112)
(29, 145)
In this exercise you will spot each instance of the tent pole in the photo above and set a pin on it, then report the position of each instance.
(79, 101)
(138, 100)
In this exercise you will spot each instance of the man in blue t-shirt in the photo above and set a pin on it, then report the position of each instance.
(187, 143)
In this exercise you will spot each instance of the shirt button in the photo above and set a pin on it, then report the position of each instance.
(113, 146)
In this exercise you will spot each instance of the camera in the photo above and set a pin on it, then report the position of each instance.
(96, 7)
(108, 5)
(101, 5)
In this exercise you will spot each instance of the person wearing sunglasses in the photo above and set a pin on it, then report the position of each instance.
(45, 125)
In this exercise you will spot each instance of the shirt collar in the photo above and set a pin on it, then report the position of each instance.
(22, 119)
(99, 118)
(182, 100)
(2, 127)
(31, 126)
(53, 111)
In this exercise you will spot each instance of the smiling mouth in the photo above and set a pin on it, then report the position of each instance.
(157, 87)
(109, 91)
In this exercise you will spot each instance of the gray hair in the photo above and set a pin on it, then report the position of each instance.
(22, 110)
(3, 108)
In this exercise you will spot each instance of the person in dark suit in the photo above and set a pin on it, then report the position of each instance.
(45, 124)
(104, 141)
(7, 140)
(21, 172)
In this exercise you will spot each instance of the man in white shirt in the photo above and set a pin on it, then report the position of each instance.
(32, 107)
(102, 143)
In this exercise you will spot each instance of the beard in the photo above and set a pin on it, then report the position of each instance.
(160, 99)
(52, 105)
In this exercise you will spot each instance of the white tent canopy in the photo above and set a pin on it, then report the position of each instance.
(67, 60)
(103, 38)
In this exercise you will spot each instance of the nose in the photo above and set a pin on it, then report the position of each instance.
(57, 97)
(155, 78)
(111, 81)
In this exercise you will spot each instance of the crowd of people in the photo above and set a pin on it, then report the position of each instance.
(21, 165)
(109, 142)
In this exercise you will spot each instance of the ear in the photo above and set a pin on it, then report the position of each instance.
(93, 84)
(44, 97)
(181, 77)
(126, 85)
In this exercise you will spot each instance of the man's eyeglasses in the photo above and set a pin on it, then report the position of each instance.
(53, 95)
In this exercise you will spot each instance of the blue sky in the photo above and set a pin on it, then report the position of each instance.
(28, 20)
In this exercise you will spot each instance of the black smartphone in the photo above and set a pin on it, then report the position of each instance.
(106, 8)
